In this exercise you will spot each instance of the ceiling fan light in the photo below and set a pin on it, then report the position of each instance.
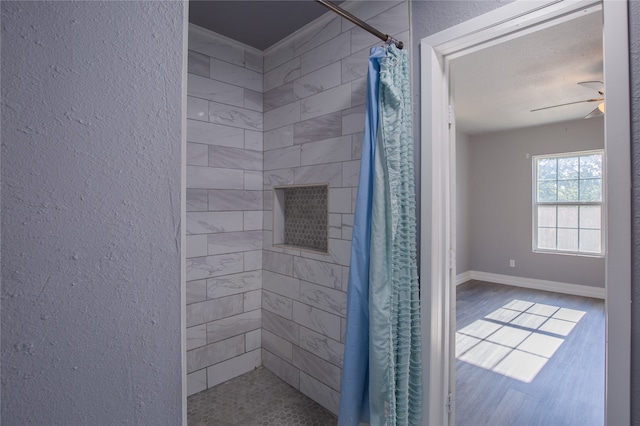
(601, 107)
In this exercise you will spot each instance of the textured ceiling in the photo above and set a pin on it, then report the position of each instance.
(260, 24)
(496, 88)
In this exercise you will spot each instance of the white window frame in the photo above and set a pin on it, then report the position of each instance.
(535, 204)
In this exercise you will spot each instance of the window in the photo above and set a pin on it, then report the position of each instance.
(568, 203)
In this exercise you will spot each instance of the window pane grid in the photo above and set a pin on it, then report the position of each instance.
(568, 202)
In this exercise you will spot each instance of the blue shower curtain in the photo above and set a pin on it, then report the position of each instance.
(386, 244)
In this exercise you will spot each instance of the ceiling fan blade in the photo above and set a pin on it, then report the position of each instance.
(569, 103)
(598, 86)
(595, 113)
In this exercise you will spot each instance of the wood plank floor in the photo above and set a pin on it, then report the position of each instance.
(528, 357)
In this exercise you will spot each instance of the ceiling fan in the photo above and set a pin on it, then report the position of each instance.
(598, 86)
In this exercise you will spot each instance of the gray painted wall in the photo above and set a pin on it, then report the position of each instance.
(91, 132)
(500, 200)
(464, 210)
(429, 17)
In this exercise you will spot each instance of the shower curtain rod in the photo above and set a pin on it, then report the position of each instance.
(384, 37)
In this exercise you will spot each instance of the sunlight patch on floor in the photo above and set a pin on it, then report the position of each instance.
(516, 340)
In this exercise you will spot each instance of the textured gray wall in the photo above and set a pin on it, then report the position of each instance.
(500, 201)
(91, 132)
(634, 60)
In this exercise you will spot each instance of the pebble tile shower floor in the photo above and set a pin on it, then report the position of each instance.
(257, 398)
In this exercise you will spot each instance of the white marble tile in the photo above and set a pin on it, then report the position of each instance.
(267, 222)
(281, 284)
(280, 326)
(267, 244)
(252, 220)
(209, 177)
(253, 340)
(214, 353)
(347, 226)
(214, 134)
(233, 242)
(318, 81)
(253, 260)
(282, 74)
(213, 222)
(214, 90)
(232, 326)
(283, 116)
(213, 266)
(317, 367)
(343, 329)
(356, 145)
(211, 310)
(355, 66)
(354, 196)
(277, 304)
(253, 60)
(319, 128)
(278, 138)
(196, 291)
(196, 336)
(317, 320)
(229, 115)
(335, 225)
(326, 151)
(350, 173)
(196, 245)
(394, 20)
(327, 349)
(326, 102)
(228, 285)
(319, 392)
(197, 154)
(282, 158)
(234, 158)
(253, 180)
(325, 54)
(198, 64)
(315, 34)
(207, 43)
(277, 178)
(359, 91)
(367, 10)
(253, 100)
(285, 371)
(325, 173)
(197, 200)
(339, 252)
(277, 262)
(197, 109)
(340, 200)
(353, 120)
(361, 39)
(253, 140)
(196, 382)
(277, 346)
(327, 299)
(323, 273)
(278, 56)
(220, 200)
(345, 278)
(235, 75)
(278, 96)
(233, 367)
(252, 300)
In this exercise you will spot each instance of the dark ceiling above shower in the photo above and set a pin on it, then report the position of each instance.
(260, 24)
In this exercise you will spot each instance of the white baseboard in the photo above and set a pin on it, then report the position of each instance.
(555, 286)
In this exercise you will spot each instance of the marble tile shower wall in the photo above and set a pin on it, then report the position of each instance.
(224, 209)
(314, 95)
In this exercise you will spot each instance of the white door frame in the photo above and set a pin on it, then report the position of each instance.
(511, 21)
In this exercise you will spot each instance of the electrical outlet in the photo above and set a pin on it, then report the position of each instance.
(512, 263)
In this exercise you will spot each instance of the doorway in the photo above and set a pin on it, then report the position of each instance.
(437, 51)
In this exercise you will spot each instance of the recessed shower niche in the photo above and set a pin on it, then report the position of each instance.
(300, 217)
